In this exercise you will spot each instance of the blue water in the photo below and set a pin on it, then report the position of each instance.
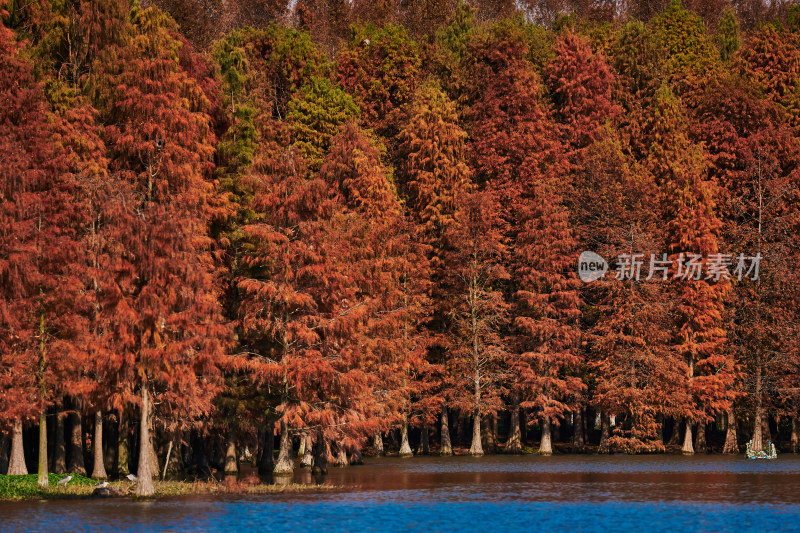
(493, 494)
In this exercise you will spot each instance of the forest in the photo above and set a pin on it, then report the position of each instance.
(293, 235)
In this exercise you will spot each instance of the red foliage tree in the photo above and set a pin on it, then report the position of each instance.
(545, 371)
(165, 325)
(629, 364)
(752, 154)
(393, 274)
(41, 266)
(637, 375)
(434, 179)
(637, 64)
(510, 129)
(335, 308)
(475, 255)
(692, 227)
(276, 304)
(770, 59)
(434, 175)
(581, 82)
(21, 202)
(90, 380)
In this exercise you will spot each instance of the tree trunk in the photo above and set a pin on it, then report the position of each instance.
(463, 428)
(168, 458)
(377, 444)
(766, 432)
(144, 474)
(200, 453)
(546, 446)
(700, 445)
(405, 448)
(424, 445)
(173, 463)
(731, 440)
(99, 468)
(605, 434)
(341, 457)
(320, 455)
(43, 480)
(16, 465)
(60, 445)
(579, 440)
(259, 450)
(110, 434)
(308, 457)
(489, 435)
(123, 448)
(356, 458)
(514, 442)
(757, 444)
(447, 448)
(267, 463)
(329, 452)
(231, 468)
(173, 459)
(301, 446)
(494, 419)
(154, 468)
(675, 437)
(75, 456)
(794, 439)
(687, 448)
(391, 436)
(476, 448)
(3, 453)
(284, 466)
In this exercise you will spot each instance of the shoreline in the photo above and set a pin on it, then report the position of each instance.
(18, 488)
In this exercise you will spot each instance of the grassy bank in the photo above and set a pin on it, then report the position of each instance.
(26, 487)
(21, 487)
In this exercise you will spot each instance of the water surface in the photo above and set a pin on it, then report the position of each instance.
(496, 493)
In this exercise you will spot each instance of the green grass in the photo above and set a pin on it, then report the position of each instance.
(18, 487)
(27, 488)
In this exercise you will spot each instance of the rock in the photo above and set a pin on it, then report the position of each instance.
(108, 492)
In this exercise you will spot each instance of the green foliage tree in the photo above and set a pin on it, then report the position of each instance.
(381, 69)
(316, 113)
(690, 53)
(728, 36)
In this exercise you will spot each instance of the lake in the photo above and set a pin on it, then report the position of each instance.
(493, 493)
